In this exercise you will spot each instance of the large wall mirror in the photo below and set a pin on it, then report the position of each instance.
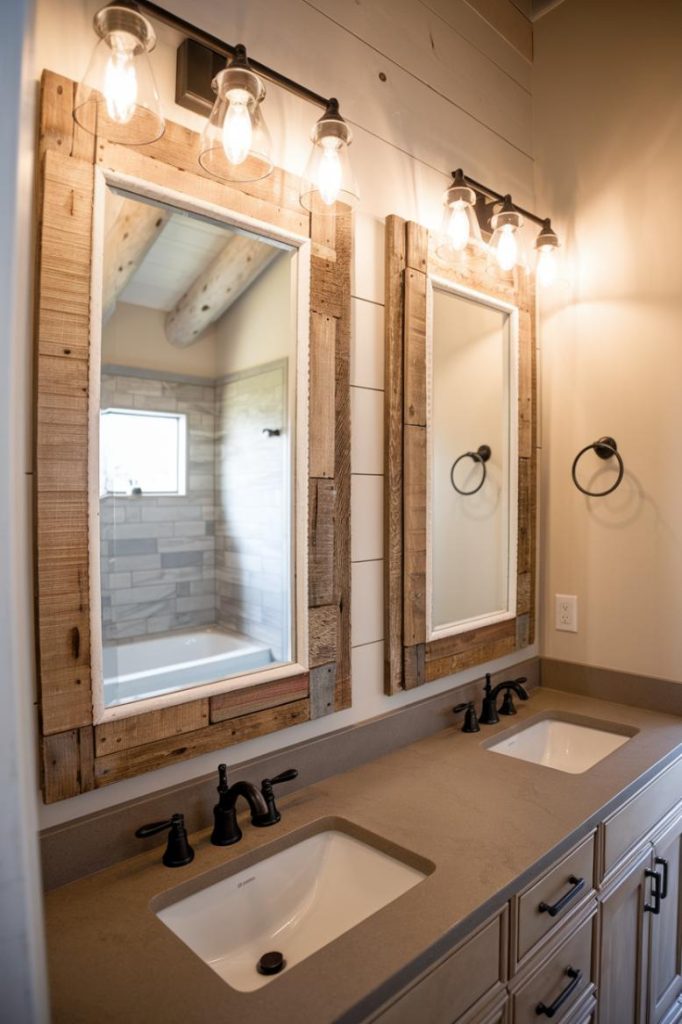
(460, 460)
(193, 521)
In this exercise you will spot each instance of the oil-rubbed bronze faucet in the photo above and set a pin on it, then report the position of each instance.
(489, 713)
(226, 830)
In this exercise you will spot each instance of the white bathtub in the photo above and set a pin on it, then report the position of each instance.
(148, 668)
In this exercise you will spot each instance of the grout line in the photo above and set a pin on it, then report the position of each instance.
(367, 643)
(372, 302)
(364, 561)
(352, 473)
(366, 387)
(426, 85)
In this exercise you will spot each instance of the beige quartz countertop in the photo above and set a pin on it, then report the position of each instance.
(487, 822)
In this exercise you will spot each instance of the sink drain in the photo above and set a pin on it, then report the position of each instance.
(271, 963)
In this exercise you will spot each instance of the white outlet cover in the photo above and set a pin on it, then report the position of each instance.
(566, 612)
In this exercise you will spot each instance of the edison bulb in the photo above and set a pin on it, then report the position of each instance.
(237, 127)
(120, 80)
(459, 228)
(546, 266)
(507, 248)
(329, 171)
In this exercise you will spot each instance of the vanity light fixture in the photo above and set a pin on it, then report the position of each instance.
(546, 245)
(495, 217)
(117, 98)
(504, 243)
(459, 219)
(235, 143)
(328, 177)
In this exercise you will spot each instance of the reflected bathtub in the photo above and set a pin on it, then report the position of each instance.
(150, 667)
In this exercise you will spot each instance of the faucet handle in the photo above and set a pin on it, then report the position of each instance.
(521, 689)
(178, 852)
(470, 719)
(273, 816)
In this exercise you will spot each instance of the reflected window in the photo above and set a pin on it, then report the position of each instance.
(142, 452)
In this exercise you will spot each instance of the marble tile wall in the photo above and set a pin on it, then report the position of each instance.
(158, 553)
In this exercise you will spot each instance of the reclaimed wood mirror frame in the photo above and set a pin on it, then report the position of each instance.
(78, 754)
(410, 658)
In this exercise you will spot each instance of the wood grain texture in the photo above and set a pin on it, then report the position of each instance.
(245, 701)
(124, 733)
(409, 246)
(394, 285)
(77, 756)
(150, 756)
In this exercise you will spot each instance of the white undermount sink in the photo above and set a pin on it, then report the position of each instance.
(563, 745)
(293, 902)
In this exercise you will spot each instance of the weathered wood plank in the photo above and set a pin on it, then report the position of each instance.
(414, 399)
(416, 247)
(67, 764)
(323, 691)
(414, 518)
(323, 632)
(322, 395)
(414, 669)
(393, 453)
(459, 643)
(250, 699)
(321, 583)
(127, 763)
(474, 655)
(136, 730)
(56, 113)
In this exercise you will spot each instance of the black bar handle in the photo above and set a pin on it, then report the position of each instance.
(287, 776)
(577, 885)
(153, 828)
(664, 864)
(551, 1011)
(655, 907)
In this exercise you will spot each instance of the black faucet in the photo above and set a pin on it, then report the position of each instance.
(178, 852)
(489, 713)
(261, 803)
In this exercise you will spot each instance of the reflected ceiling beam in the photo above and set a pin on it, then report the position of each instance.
(129, 239)
(217, 287)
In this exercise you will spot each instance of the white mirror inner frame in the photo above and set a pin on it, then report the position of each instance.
(414, 652)
(504, 459)
(139, 189)
(78, 752)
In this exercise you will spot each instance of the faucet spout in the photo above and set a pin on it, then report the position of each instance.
(251, 794)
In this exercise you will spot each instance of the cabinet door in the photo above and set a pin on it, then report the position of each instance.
(665, 973)
(624, 945)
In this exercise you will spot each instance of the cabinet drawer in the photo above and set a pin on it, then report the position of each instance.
(640, 814)
(547, 981)
(456, 984)
(549, 901)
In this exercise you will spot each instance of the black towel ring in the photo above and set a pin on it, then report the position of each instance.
(605, 448)
(481, 456)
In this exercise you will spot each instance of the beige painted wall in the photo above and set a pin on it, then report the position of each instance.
(136, 336)
(608, 135)
(455, 92)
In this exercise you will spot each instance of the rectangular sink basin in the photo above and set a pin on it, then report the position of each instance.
(565, 746)
(293, 903)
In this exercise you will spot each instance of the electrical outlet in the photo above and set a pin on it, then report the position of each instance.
(566, 612)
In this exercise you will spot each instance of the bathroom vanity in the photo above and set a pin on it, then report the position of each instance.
(537, 888)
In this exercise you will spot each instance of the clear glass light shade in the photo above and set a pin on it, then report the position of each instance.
(117, 98)
(328, 185)
(235, 142)
(459, 229)
(546, 265)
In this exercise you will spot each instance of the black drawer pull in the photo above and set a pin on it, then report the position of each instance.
(656, 894)
(664, 886)
(550, 1011)
(577, 885)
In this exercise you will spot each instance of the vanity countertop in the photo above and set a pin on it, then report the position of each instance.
(488, 823)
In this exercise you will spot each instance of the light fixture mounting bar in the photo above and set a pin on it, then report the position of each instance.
(490, 193)
(199, 66)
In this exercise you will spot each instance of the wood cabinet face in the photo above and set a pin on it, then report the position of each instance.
(624, 947)
(665, 976)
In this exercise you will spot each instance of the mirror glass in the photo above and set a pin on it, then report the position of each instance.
(472, 444)
(196, 450)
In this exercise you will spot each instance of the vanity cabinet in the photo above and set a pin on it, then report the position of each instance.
(665, 946)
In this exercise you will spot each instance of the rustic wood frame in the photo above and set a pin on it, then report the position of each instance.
(410, 658)
(78, 755)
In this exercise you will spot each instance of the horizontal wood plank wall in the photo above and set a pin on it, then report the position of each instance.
(411, 659)
(76, 754)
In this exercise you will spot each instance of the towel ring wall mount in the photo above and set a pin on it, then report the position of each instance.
(481, 456)
(604, 448)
